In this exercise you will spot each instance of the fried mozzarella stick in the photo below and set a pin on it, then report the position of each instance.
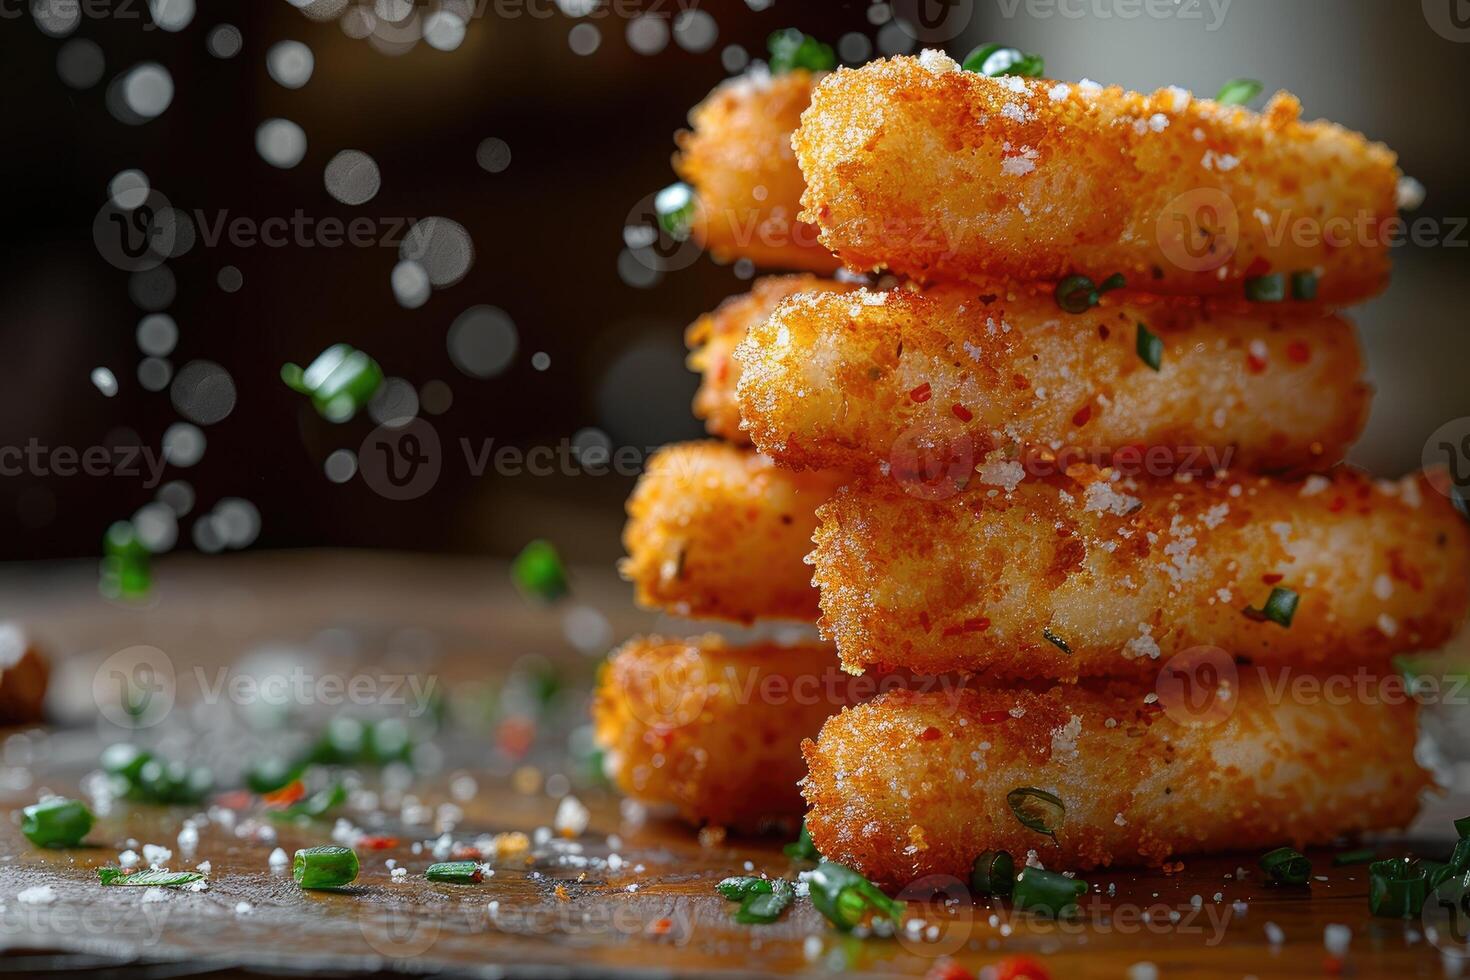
(714, 730)
(863, 380)
(739, 160)
(940, 173)
(717, 531)
(909, 784)
(712, 340)
(1058, 580)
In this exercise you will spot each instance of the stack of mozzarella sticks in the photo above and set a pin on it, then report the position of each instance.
(1081, 450)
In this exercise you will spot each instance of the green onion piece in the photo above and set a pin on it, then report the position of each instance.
(791, 49)
(56, 822)
(763, 908)
(147, 879)
(994, 873)
(388, 741)
(1037, 809)
(1055, 640)
(996, 60)
(803, 849)
(295, 378)
(1462, 826)
(1397, 888)
(1046, 892)
(1460, 859)
(1150, 347)
(324, 867)
(1362, 856)
(739, 888)
(342, 743)
(1077, 294)
(1287, 866)
(171, 782)
(124, 759)
(345, 389)
(846, 898)
(316, 805)
(1280, 608)
(538, 572)
(1239, 91)
(455, 872)
(1116, 281)
(675, 206)
(1304, 286)
(271, 774)
(125, 571)
(1266, 289)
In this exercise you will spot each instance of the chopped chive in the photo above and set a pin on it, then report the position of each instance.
(741, 887)
(1150, 347)
(1363, 856)
(1462, 826)
(762, 908)
(124, 759)
(1286, 866)
(126, 573)
(675, 206)
(1077, 294)
(1046, 892)
(1304, 286)
(1269, 288)
(995, 60)
(166, 782)
(1280, 608)
(456, 872)
(538, 572)
(1397, 888)
(339, 382)
(1460, 858)
(1116, 281)
(994, 873)
(1239, 91)
(802, 849)
(324, 867)
(56, 822)
(847, 899)
(1055, 640)
(791, 49)
(1037, 809)
(147, 879)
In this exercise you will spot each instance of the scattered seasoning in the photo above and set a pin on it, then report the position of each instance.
(147, 879)
(1047, 892)
(846, 898)
(1280, 608)
(1397, 888)
(324, 867)
(1150, 347)
(1270, 288)
(56, 822)
(1304, 285)
(994, 873)
(1078, 294)
(790, 49)
(539, 573)
(1363, 856)
(1286, 866)
(1037, 809)
(1239, 91)
(456, 872)
(995, 60)
(339, 382)
(1055, 640)
(675, 206)
(922, 393)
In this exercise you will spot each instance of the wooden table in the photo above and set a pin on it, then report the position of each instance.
(567, 910)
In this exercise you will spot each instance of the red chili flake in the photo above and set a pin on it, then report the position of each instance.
(922, 393)
(1258, 267)
(1083, 414)
(1271, 578)
(1256, 364)
(515, 735)
(994, 717)
(978, 625)
(948, 970)
(374, 842)
(929, 734)
(286, 795)
(1337, 505)
(237, 799)
(962, 413)
(1332, 965)
(660, 927)
(464, 852)
(1020, 968)
(1299, 351)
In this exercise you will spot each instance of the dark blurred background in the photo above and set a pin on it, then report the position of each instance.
(589, 138)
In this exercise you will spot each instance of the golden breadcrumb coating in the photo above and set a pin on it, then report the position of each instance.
(909, 785)
(1127, 573)
(715, 730)
(712, 339)
(717, 531)
(940, 173)
(868, 380)
(739, 160)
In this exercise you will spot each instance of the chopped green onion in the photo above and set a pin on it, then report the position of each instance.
(802, 849)
(1304, 286)
(1077, 294)
(387, 741)
(342, 743)
(124, 759)
(1239, 91)
(675, 206)
(1462, 826)
(1055, 640)
(1287, 866)
(339, 382)
(1046, 892)
(456, 872)
(1397, 888)
(147, 879)
(1266, 289)
(1150, 347)
(56, 822)
(538, 572)
(1116, 281)
(171, 782)
(1280, 608)
(994, 873)
(316, 805)
(1460, 859)
(324, 867)
(126, 569)
(762, 908)
(1037, 809)
(739, 888)
(996, 60)
(846, 898)
(791, 49)
(1362, 856)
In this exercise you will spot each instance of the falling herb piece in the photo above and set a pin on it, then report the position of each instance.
(1239, 91)
(147, 879)
(56, 822)
(456, 872)
(675, 206)
(1266, 289)
(802, 849)
(1397, 888)
(1037, 809)
(994, 873)
(339, 382)
(538, 572)
(995, 60)
(324, 867)
(1304, 286)
(1280, 608)
(1150, 347)
(1287, 866)
(1362, 856)
(763, 908)
(1046, 892)
(1055, 640)
(126, 571)
(790, 49)
(848, 899)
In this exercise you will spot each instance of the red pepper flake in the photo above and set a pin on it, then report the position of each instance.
(977, 625)
(660, 927)
(1337, 505)
(1258, 267)
(929, 734)
(1083, 415)
(948, 970)
(1020, 968)
(962, 413)
(375, 842)
(286, 795)
(1299, 351)
(463, 852)
(1271, 578)
(237, 799)
(994, 717)
(922, 393)
(1332, 965)
(1256, 364)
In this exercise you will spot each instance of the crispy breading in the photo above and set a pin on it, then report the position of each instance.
(717, 531)
(939, 173)
(739, 160)
(909, 785)
(887, 379)
(715, 730)
(712, 339)
(1123, 574)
